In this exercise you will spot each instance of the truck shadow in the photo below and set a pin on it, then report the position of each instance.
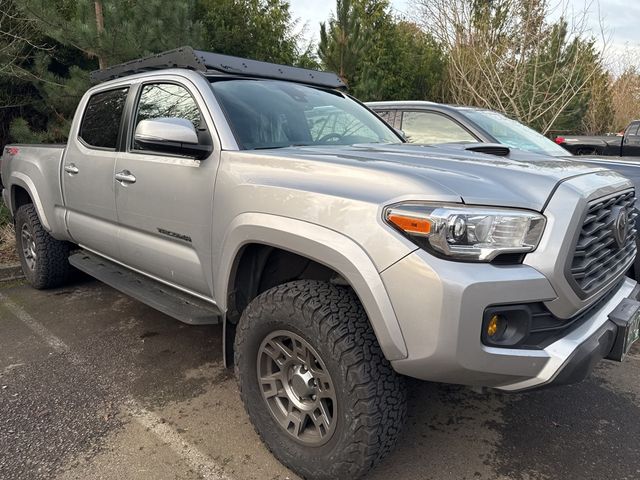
(585, 431)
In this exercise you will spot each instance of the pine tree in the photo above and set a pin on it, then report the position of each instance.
(258, 29)
(84, 35)
(341, 43)
(379, 56)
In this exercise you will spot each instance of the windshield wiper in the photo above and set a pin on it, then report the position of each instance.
(273, 147)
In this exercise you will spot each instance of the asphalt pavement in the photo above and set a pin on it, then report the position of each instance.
(94, 385)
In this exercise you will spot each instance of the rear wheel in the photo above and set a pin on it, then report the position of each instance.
(44, 259)
(315, 383)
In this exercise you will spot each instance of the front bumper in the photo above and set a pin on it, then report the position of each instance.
(440, 305)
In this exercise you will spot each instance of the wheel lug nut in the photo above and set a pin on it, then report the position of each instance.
(314, 397)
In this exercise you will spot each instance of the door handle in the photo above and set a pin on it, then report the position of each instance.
(71, 169)
(125, 177)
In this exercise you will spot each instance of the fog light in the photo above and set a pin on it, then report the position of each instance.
(506, 326)
(496, 326)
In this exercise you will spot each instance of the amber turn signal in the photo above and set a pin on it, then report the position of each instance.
(412, 225)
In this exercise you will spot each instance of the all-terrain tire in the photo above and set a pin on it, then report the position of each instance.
(51, 266)
(371, 396)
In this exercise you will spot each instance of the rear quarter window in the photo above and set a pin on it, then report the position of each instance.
(102, 117)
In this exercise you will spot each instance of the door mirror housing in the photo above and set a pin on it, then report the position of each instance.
(401, 133)
(172, 135)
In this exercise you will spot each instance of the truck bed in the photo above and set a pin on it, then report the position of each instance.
(39, 166)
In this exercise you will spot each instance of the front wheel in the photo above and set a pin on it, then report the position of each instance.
(315, 383)
(44, 259)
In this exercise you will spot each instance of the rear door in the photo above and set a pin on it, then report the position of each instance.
(87, 177)
(631, 141)
(166, 211)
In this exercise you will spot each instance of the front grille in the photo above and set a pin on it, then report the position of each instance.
(598, 258)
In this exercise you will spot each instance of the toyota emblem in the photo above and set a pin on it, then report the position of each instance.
(621, 228)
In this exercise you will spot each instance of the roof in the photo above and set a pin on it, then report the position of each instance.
(403, 103)
(215, 63)
(418, 104)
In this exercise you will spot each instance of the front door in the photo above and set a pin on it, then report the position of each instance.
(87, 177)
(433, 128)
(165, 202)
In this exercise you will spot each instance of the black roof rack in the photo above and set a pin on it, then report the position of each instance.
(215, 63)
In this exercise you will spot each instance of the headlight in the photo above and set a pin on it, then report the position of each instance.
(468, 233)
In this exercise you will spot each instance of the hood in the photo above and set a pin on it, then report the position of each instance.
(526, 181)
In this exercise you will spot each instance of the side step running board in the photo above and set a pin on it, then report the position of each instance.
(168, 300)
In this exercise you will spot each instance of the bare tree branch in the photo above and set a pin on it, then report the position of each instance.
(506, 55)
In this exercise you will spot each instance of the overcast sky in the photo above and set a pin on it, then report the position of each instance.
(621, 18)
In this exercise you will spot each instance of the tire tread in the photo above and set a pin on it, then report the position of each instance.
(52, 266)
(377, 393)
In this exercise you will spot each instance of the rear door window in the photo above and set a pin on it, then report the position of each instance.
(102, 117)
(433, 128)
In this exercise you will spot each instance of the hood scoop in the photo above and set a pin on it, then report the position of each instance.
(490, 149)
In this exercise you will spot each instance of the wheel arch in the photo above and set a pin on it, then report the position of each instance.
(309, 250)
(23, 191)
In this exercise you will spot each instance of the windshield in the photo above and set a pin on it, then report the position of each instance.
(273, 114)
(515, 134)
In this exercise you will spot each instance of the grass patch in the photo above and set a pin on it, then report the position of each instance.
(8, 254)
(4, 215)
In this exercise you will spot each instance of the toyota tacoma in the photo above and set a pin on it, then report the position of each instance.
(338, 259)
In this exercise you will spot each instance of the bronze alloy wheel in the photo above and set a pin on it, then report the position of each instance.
(297, 388)
(314, 381)
(28, 244)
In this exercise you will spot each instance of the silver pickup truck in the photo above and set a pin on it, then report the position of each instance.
(338, 258)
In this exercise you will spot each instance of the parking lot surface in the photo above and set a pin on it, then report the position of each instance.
(94, 385)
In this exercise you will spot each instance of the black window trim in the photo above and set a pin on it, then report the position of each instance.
(402, 111)
(82, 141)
(133, 115)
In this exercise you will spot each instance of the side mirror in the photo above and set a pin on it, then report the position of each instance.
(171, 135)
(401, 133)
